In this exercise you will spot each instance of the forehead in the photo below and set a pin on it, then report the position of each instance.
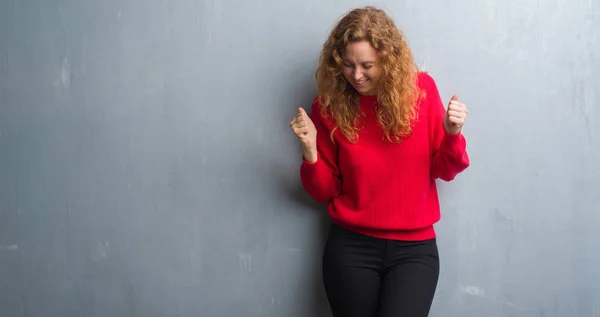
(360, 52)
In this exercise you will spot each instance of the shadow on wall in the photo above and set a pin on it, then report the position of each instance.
(289, 187)
(321, 305)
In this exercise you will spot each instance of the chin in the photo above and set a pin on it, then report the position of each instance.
(367, 91)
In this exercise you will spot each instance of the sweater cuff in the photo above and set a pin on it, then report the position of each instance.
(319, 167)
(305, 161)
(452, 142)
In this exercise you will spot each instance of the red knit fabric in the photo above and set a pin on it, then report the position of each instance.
(384, 189)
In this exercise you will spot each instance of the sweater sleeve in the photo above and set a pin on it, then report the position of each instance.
(321, 179)
(449, 154)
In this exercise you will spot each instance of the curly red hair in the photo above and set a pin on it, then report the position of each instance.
(397, 93)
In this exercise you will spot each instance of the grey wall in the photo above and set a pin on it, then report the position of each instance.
(147, 167)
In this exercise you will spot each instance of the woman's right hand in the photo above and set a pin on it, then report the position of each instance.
(305, 131)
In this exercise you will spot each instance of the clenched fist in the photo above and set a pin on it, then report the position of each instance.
(455, 116)
(305, 131)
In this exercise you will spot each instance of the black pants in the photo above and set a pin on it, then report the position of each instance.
(371, 277)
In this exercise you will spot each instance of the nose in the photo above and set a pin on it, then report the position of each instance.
(357, 74)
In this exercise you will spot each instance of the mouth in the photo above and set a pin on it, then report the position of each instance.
(360, 82)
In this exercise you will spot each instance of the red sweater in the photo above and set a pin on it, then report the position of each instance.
(383, 189)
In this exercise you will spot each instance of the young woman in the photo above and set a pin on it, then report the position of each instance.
(376, 140)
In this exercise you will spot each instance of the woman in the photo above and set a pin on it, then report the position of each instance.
(376, 140)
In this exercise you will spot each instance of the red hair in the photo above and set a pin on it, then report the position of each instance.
(397, 93)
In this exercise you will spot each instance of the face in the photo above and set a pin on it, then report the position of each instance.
(359, 67)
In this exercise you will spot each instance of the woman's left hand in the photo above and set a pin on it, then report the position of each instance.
(455, 116)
